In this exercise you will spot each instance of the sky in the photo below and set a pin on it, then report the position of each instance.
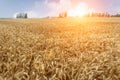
(43, 8)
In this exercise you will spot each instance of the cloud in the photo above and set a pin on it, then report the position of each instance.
(51, 7)
(14, 15)
(32, 14)
(44, 8)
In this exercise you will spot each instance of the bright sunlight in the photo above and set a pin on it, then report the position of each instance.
(80, 11)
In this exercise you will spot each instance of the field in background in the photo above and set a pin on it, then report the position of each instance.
(60, 49)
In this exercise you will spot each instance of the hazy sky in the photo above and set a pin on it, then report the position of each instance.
(42, 8)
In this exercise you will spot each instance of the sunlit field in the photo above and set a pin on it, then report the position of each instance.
(60, 49)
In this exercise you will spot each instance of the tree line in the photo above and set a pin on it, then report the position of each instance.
(64, 14)
(22, 15)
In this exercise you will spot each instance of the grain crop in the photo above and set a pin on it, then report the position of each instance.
(60, 49)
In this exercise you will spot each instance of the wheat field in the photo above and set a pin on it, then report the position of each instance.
(60, 49)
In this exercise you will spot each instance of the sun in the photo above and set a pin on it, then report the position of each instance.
(80, 11)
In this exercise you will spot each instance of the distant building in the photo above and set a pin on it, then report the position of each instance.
(22, 15)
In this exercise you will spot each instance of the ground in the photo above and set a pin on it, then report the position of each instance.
(60, 49)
